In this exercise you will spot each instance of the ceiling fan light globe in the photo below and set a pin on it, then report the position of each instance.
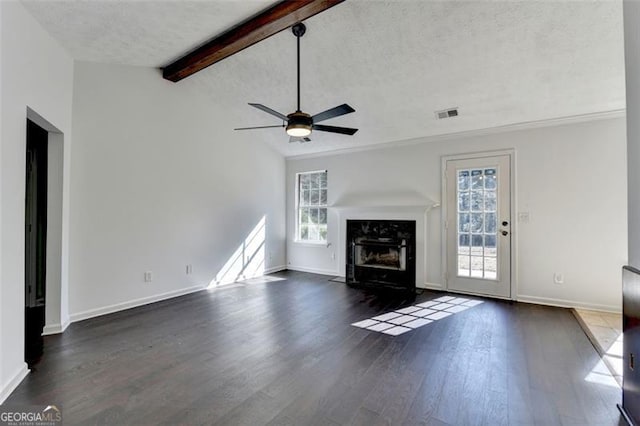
(298, 130)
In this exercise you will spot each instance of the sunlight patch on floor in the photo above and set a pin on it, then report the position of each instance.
(604, 329)
(406, 319)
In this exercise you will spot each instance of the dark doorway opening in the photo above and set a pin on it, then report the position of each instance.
(35, 241)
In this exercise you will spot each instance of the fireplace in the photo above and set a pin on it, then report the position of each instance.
(381, 253)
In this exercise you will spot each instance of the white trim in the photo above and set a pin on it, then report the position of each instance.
(580, 118)
(14, 382)
(275, 269)
(91, 313)
(303, 243)
(312, 270)
(431, 286)
(568, 303)
(511, 152)
(55, 328)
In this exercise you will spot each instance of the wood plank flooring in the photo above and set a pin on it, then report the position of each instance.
(283, 352)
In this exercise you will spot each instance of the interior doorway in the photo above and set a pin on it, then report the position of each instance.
(35, 240)
(478, 224)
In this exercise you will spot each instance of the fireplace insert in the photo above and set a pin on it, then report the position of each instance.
(381, 254)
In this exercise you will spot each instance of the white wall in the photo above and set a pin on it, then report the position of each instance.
(571, 179)
(632, 65)
(56, 312)
(160, 180)
(36, 73)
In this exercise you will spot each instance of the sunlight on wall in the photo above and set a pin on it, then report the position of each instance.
(247, 261)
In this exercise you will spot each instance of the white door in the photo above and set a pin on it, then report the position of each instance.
(478, 225)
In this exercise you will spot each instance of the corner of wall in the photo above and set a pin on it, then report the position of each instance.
(13, 383)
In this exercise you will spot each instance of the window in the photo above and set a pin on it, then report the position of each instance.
(311, 206)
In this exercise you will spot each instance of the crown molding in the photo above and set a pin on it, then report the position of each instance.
(559, 121)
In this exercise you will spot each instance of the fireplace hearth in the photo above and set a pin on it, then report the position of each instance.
(381, 254)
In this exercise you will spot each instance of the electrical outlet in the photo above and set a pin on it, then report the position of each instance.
(148, 276)
(558, 278)
(189, 269)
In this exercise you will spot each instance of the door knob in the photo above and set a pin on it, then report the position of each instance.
(505, 233)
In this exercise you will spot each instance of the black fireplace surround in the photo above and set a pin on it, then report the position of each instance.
(381, 254)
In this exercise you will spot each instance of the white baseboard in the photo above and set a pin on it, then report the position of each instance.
(312, 270)
(275, 269)
(55, 328)
(91, 313)
(568, 303)
(430, 286)
(14, 382)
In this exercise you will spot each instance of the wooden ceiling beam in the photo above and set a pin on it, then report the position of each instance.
(278, 17)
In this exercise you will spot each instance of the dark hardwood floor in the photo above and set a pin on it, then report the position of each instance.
(284, 353)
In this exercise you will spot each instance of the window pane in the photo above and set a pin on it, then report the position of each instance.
(463, 201)
(323, 180)
(315, 180)
(476, 201)
(477, 266)
(304, 181)
(476, 222)
(304, 232)
(476, 245)
(314, 235)
(304, 215)
(323, 197)
(304, 198)
(463, 222)
(322, 217)
(490, 179)
(323, 232)
(463, 180)
(463, 266)
(490, 202)
(463, 243)
(490, 267)
(314, 198)
(314, 215)
(490, 223)
(476, 179)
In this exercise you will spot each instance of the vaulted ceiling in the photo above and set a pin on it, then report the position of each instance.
(394, 61)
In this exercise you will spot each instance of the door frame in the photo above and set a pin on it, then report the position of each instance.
(514, 222)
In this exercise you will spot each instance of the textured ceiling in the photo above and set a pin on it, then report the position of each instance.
(395, 62)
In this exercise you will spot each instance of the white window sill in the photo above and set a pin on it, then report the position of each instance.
(310, 243)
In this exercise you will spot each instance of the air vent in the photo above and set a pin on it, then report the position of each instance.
(447, 113)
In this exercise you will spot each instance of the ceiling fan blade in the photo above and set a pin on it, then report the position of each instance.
(270, 111)
(298, 139)
(334, 129)
(259, 127)
(333, 112)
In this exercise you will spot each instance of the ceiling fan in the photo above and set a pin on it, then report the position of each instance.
(298, 124)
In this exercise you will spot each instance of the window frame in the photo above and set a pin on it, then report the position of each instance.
(297, 206)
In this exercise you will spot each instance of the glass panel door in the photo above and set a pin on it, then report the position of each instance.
(478, 225)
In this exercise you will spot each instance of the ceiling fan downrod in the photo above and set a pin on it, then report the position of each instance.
(298, 30)
(298, 124)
